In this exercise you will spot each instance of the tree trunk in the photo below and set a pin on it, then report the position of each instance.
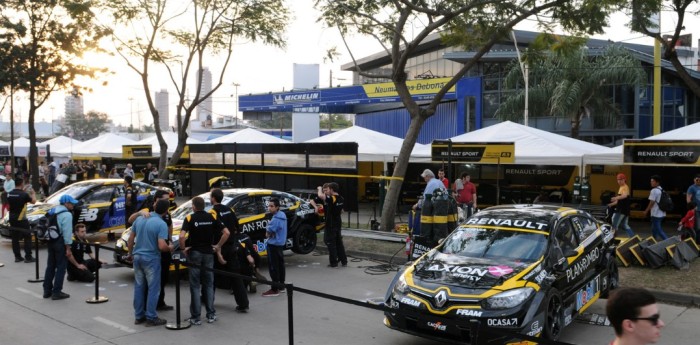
(389, 208)
(683, 74)
(33, 151)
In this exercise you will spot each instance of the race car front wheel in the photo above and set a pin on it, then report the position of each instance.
(554, 325)
(304, 239)
(613, 279)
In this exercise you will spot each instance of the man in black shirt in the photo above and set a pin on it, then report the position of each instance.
(90, 169)
(202, 228)
(130, 199)
(165, 257)
(18, 199)
(333, 206)
(147, 173)
(85, 269)
(229, 252)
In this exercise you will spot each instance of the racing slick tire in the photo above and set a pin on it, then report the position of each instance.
(613, 279)
(554, 321)
(304, 239)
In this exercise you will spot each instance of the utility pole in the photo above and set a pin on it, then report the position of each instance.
(131, 103)
(236, 104)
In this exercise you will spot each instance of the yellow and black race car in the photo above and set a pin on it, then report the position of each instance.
(527, 269)
(250, 206)
(101, 205)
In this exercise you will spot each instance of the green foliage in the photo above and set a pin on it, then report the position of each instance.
(571, 85)
(87, 125)
(279, 120)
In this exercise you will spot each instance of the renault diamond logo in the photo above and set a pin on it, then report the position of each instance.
(440, 299)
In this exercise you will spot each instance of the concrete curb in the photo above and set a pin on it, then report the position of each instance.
(676, 298)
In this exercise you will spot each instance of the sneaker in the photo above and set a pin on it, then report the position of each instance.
(47, 294)
(164, 307)
(345, 264)
(194, 322)
(19, 259)
(60, 295)
(2, 265)
(241, 309)
(211, 318)
(155, 322)
(282, 290)
(270, 293)
(140, 321)
(29, 259)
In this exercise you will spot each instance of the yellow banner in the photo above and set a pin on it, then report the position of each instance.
(415, 87)
(501, 152)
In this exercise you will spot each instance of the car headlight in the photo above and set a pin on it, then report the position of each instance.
(400, 288)
(508, 299)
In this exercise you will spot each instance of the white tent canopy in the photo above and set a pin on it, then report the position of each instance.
(99, 146)
(373, 146)
(532, 145)
(248, 135)
(61, 142)
(169, 137)
(21, 146)
(614, 156)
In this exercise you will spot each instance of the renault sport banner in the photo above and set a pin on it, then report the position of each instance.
(680, 152)
(489, 152)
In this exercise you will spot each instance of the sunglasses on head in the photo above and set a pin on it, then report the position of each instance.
(654, 319)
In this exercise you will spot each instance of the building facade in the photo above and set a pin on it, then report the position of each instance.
(163, 106)
(634, 102)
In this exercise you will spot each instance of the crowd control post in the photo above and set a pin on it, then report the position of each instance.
(36, 263)
(97, 298)
(290, 311)
(177, 325)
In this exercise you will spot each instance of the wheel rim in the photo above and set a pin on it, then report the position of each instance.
(306, 239)
(553, 317)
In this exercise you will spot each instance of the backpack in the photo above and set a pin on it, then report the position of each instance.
(665, 202)
(47, 227)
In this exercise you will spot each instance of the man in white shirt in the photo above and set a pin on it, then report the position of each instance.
(657, 215)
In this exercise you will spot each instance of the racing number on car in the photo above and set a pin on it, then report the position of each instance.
(88, 215)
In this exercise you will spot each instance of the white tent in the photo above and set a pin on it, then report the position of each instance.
(61, 142)
(169, 137)
(248, 135)
(532, 145)
(373, 146)
(21, 146)
(99, 146)
(614, 155)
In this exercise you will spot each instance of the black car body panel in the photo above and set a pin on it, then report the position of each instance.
(101, 206)
(528, 269)
(250, 206)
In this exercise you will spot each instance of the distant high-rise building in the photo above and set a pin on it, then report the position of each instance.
(74, 103)
(163, 107)
(204, 109)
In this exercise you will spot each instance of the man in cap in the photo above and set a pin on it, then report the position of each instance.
(432, 185)
(59, 250)
(621, 202)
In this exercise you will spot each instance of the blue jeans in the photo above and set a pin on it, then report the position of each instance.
(621, 220)
(147, 281)
(656, 229)
(55, 267)
(201, 281)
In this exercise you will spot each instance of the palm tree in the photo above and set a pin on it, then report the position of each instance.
(571, 84)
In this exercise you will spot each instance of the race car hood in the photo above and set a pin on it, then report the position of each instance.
(436, 268)
(38, 209)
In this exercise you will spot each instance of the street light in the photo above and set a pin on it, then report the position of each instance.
(235, 108)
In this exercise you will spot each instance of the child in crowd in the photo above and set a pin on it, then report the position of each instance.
(687, 224)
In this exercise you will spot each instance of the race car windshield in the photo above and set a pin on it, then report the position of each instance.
(75, 190)
(495, 244)
(181, 212)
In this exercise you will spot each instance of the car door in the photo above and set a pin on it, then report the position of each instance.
(566, 245)
(252, 216)
(95, 209)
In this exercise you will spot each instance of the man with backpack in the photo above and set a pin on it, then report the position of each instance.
(60, 249)
(653, 209)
